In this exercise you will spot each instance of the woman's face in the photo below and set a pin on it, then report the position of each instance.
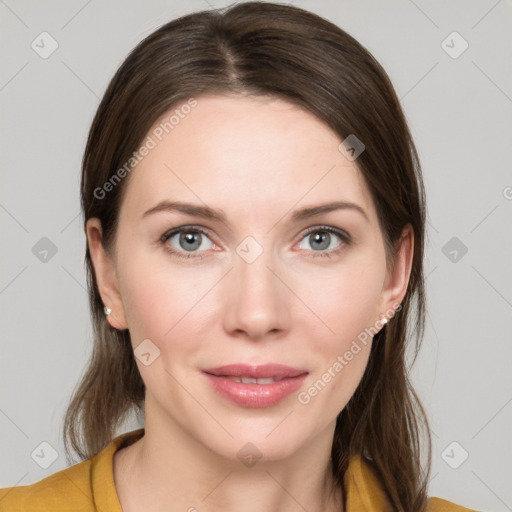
(268, 283)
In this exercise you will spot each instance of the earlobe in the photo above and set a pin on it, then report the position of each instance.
(105, 272)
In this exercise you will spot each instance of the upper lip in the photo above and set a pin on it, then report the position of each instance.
(277, 371)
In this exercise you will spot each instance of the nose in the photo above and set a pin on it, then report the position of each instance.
(257, 301)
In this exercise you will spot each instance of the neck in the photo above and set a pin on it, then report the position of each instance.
(169, 470)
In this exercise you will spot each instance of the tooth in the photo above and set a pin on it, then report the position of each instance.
(269, 380)
(252, 380)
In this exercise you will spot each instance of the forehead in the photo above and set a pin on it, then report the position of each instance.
(246, 153)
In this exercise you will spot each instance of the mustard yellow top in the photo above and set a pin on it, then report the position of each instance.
(88, 486)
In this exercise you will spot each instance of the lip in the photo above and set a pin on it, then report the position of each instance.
(255, 395)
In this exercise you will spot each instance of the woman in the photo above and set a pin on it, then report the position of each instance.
(254, 213)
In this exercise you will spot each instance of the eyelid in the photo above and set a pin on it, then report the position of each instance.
(188, 227)
(330, 229)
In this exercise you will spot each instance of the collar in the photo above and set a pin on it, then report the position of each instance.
(364, 492)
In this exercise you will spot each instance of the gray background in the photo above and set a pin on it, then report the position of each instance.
(459, 110)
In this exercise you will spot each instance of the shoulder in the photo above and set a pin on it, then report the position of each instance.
(365, 490)
(440, 505)
(88, 486)
(69, 488)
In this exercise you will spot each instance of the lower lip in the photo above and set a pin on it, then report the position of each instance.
(255, 396)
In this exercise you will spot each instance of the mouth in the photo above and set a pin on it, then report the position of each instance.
(255, 386)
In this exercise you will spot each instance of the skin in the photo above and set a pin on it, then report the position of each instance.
(257, 159)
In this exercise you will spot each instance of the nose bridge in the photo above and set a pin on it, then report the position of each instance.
(254, 275)
(257, 300)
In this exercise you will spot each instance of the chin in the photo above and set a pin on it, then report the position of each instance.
(254, 444)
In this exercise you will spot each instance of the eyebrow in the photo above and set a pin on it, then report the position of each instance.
(219, 215)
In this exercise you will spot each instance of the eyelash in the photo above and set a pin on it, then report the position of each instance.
(346, 240)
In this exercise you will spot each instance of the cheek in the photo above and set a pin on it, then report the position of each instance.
(155, 299)
(345, 299)
(161, 309)
(346, 303)
(340, 357)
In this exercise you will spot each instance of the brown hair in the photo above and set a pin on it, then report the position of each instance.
(267, 49)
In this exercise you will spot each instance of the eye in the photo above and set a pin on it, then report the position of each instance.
(322, 240)
(183, 240)
(190, 242)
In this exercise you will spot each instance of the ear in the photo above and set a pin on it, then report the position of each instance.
(106, 278)
(397, 275)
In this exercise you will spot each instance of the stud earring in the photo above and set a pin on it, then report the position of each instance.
(384, 320)
(107, 311)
